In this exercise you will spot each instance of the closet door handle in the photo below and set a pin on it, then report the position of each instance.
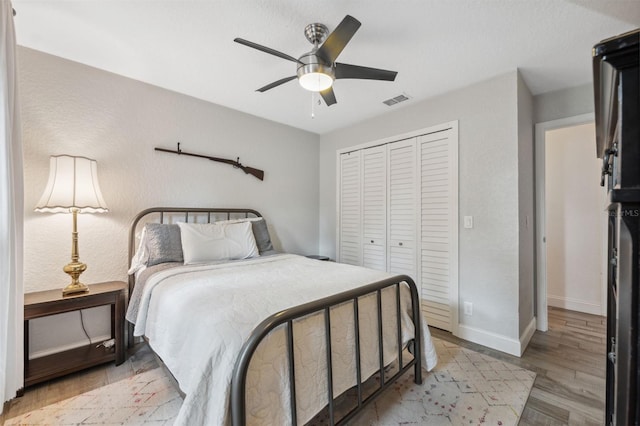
(400, 243)
(371, 241)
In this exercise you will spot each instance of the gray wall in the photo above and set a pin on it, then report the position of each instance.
(69, 108)
(526, 217)
(489, 190)
(563, 103)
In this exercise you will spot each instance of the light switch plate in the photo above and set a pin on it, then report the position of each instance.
(468, 222)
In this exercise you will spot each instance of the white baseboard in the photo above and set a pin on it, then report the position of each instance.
(574, 305)
(50, 351)
(498, 341)
(489, 339)
(527, 335)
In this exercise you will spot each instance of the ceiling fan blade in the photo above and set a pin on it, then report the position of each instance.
(338, 39)
(328, 96)
(366, 73)
(276, 83)
(265, 49)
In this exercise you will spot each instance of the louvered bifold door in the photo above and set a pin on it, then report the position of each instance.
(374, 207)
(436, 239)
(350, 209)
(402, 207)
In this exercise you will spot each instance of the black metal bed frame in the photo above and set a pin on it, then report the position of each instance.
(286, 317)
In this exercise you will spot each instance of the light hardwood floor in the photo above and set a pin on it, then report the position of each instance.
(569, 360)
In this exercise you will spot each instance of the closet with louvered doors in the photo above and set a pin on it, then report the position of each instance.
(374, 207)
(402, 208)
(387, 203)
(350, 206)
(438, 253)
(398, 212)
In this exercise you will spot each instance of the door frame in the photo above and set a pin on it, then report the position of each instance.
(541, 129)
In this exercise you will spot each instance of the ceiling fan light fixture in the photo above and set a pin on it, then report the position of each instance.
(313, 74)
(317, 69)
(315, 81)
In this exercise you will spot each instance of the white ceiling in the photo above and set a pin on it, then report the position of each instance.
(435, 45)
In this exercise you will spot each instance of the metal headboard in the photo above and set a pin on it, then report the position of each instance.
(181, 214)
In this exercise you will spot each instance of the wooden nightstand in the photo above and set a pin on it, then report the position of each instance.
(51, 302)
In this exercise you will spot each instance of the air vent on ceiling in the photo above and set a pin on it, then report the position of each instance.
(396, 100)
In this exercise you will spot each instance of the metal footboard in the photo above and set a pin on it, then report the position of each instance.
(287, 316)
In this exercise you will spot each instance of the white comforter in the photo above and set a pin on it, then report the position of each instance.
(198, 317)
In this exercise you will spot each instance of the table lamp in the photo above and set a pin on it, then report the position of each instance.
(72, 188)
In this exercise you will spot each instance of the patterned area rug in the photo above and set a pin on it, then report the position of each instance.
(465, 388)
(147, 399)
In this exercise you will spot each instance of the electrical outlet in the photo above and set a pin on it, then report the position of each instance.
(468, 308)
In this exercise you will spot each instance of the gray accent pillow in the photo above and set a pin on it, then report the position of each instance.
(163, 243)
(261, 234)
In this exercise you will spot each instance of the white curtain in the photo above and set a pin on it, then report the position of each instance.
(11, 215)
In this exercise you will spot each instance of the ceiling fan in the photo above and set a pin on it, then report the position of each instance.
(317, 69)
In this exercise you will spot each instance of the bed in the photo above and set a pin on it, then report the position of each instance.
(272, 338)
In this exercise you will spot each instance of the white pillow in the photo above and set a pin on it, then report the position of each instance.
(208, 242)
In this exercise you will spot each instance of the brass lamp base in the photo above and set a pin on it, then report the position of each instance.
(74, 269)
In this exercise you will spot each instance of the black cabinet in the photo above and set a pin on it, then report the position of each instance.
(617, 102)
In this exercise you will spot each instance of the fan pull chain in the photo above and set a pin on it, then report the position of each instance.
(313, 104)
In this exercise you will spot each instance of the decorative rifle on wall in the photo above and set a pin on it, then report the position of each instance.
(235, 163)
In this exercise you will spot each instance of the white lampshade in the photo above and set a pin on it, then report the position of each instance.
(73, 185)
